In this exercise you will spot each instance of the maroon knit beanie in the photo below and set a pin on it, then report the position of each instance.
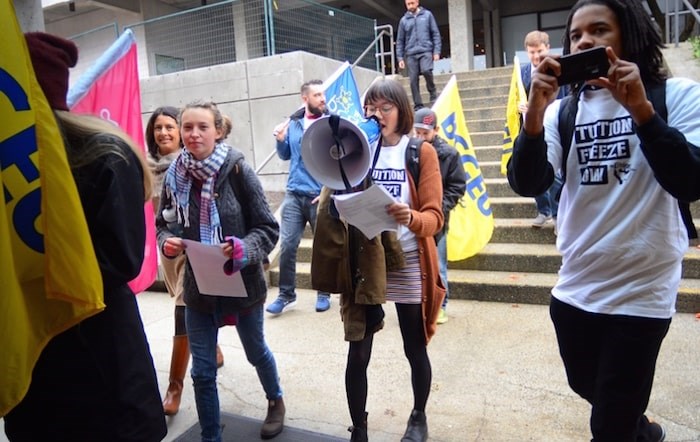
(52, 56)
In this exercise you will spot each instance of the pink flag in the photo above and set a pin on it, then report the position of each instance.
(110, 89)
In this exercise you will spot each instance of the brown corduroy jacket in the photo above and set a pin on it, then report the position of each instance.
(344, 261)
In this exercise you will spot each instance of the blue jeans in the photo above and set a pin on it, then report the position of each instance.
(203, 330)
(297, 210)
(547, 203)
(442, 264)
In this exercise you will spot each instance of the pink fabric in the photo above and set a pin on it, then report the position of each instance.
(116, 97)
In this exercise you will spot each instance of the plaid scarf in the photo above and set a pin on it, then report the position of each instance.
(178, 182)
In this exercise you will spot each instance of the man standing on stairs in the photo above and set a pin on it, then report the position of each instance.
(300, 202)
(454, 184)
(537, 47)
(417, 46)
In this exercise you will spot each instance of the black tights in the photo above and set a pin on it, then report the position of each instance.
(359, 353)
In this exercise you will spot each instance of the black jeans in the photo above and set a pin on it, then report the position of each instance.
(610, 362)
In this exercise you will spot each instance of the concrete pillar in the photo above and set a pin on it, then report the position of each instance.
(461, 34)
(240, 36)
(30, 15)
(497, 42)
(488, 38)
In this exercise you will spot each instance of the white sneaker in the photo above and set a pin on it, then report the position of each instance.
(540, 220)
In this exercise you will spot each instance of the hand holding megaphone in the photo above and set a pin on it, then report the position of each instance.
(280, 131)
(337, 152)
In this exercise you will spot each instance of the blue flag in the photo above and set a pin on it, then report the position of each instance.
(342, 97)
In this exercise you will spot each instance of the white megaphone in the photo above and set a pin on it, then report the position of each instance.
(337, 152)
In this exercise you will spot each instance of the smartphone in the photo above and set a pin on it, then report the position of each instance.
(581, 66)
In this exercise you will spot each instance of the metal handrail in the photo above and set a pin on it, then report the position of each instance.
(265, 161)
(384, 30)
(677, 14)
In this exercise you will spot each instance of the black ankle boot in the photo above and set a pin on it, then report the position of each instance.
(359, 432)
(417, 428)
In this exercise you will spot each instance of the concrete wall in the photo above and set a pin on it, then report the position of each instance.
(257, 94)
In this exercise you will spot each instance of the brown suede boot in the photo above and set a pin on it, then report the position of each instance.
(274, 422)
(219, 357)
(178, 367)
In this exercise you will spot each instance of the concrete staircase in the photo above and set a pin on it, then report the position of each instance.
(520, 263)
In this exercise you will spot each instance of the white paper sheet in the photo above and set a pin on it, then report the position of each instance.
(366, 210)
(207, 262)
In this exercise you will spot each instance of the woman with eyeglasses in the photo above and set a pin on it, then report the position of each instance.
(397, 266)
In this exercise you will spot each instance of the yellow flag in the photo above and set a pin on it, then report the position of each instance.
(516, 96)
(49, 274)
(471, 221)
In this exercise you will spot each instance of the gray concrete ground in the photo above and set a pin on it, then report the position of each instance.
(497, 375)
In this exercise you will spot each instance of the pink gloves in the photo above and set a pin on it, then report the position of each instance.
(238, 258)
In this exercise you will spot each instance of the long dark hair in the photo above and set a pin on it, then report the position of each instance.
(168, 111)
(641, 39)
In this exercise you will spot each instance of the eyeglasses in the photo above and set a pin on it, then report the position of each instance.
(384, 110)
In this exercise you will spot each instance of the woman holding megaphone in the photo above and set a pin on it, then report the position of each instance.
(397, 266)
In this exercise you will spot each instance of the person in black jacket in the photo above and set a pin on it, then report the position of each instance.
(454, 184)
(95, 381)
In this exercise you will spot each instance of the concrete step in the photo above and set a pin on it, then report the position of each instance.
(499, 187)
(490, 169)
(489, 139)
(508, 207)
(485, 113)
(531, 257)
(464, 83)
(488, 152)
(510, 287)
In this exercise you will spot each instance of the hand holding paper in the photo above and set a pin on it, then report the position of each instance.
(366, 210)
(208, 265)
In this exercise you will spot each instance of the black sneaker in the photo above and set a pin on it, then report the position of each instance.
(656, 432)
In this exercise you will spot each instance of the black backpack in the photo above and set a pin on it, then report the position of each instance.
(413, 158)
(567, 119)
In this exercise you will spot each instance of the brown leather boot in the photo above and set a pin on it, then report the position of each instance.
(178, 367)
(219, 357)
(274, 422)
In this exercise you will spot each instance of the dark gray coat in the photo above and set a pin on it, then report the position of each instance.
(244, 213)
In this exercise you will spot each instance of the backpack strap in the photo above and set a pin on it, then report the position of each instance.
(236, 182)
(413, 158)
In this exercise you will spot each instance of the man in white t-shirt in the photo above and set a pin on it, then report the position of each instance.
(621, 236)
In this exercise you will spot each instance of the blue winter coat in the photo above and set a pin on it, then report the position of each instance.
(418, 34)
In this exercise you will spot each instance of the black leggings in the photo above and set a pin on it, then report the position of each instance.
(414, 346)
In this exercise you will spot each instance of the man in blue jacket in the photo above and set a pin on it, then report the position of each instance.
(417, 46)
(300, 202)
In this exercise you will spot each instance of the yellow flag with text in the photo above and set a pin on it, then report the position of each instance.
(49, 274)
(516, 96)
(471, 221)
